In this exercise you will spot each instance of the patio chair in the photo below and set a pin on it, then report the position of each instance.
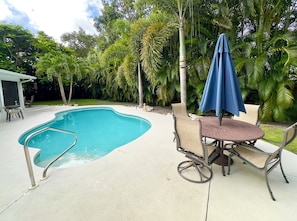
(13, 112)
(251, 116)
(263, 160)
(179, 109)
(28, 103)
(187, 132)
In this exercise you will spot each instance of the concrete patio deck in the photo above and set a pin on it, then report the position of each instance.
(137, 181)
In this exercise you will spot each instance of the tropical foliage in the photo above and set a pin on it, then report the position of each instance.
(159, 52)
(63, 67)
(16, 49)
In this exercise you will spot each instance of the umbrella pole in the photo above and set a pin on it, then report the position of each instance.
(220, 118)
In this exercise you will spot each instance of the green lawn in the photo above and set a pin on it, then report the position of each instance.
(272, 132)
(82, 102)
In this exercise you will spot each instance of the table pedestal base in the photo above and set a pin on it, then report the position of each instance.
(223, 160)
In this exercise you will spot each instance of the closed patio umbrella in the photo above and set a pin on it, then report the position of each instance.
(221, 92)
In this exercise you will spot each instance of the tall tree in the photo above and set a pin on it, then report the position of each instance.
(17, 50)
(46, 44)
(62, 67)
(158, 57)
(178, 10)
(120, 58)
(80, 42)
(104, 23)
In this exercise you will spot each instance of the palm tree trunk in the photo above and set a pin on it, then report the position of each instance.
(140, 90)
(182, 54)
(62, 91)
(70, 89)
(182, 64)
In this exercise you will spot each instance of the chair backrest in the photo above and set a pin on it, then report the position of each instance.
(290, 134)
(188, 136)
(29, 101)
(32, 99)
(179, 109)
(251, 116)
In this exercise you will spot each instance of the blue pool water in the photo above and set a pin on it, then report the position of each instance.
(98, 130)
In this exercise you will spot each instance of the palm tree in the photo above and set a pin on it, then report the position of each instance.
(112, 74)
(128, 57)
(74, 67)
(148, 36)
(177, 12)
(62, 67)
(134, 63)
(51, 65)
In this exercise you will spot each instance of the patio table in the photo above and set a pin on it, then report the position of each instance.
(230, 130)
(13, 110)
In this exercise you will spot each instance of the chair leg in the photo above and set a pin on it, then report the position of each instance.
(229, 163)
(201, 173)
(280, 163)
(204, 172)
(268, 186)
(174, 138)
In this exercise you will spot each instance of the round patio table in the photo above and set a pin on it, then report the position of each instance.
(230, 130)
(13, 110)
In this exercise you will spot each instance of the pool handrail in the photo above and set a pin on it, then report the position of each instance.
(27, 155)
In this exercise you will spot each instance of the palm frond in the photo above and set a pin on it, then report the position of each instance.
(114, 54)
(153, 42)
(129, 67)
(270, 87)
(284, 97)
(257, 71)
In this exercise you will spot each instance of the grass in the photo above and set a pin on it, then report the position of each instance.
(272, 131)
(83, 102)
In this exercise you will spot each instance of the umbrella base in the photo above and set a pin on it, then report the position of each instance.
(223, 160)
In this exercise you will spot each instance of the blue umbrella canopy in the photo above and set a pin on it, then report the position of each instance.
(221, 92)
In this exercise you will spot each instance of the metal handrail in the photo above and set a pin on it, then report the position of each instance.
(27, 155)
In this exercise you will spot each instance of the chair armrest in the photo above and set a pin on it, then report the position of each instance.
(249, 147)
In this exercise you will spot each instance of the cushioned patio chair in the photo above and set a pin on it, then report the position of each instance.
(28, 103)
(179, 109)
(251, 116)
(189, 142)
(13, 112)
(263, 160)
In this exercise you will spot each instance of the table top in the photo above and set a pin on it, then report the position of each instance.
(230, 130)
(12, 106)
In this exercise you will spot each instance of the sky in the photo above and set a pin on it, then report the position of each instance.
(54, 17)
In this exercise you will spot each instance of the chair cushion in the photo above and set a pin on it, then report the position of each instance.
(255, 157)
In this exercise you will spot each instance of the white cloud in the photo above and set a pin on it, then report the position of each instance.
(4, 10)
(54, 17)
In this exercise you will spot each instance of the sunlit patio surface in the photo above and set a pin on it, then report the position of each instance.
(138, 181)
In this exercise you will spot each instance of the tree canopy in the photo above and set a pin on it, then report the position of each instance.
(159, 52)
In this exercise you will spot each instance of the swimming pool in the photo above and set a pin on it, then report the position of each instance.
(99, 131)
